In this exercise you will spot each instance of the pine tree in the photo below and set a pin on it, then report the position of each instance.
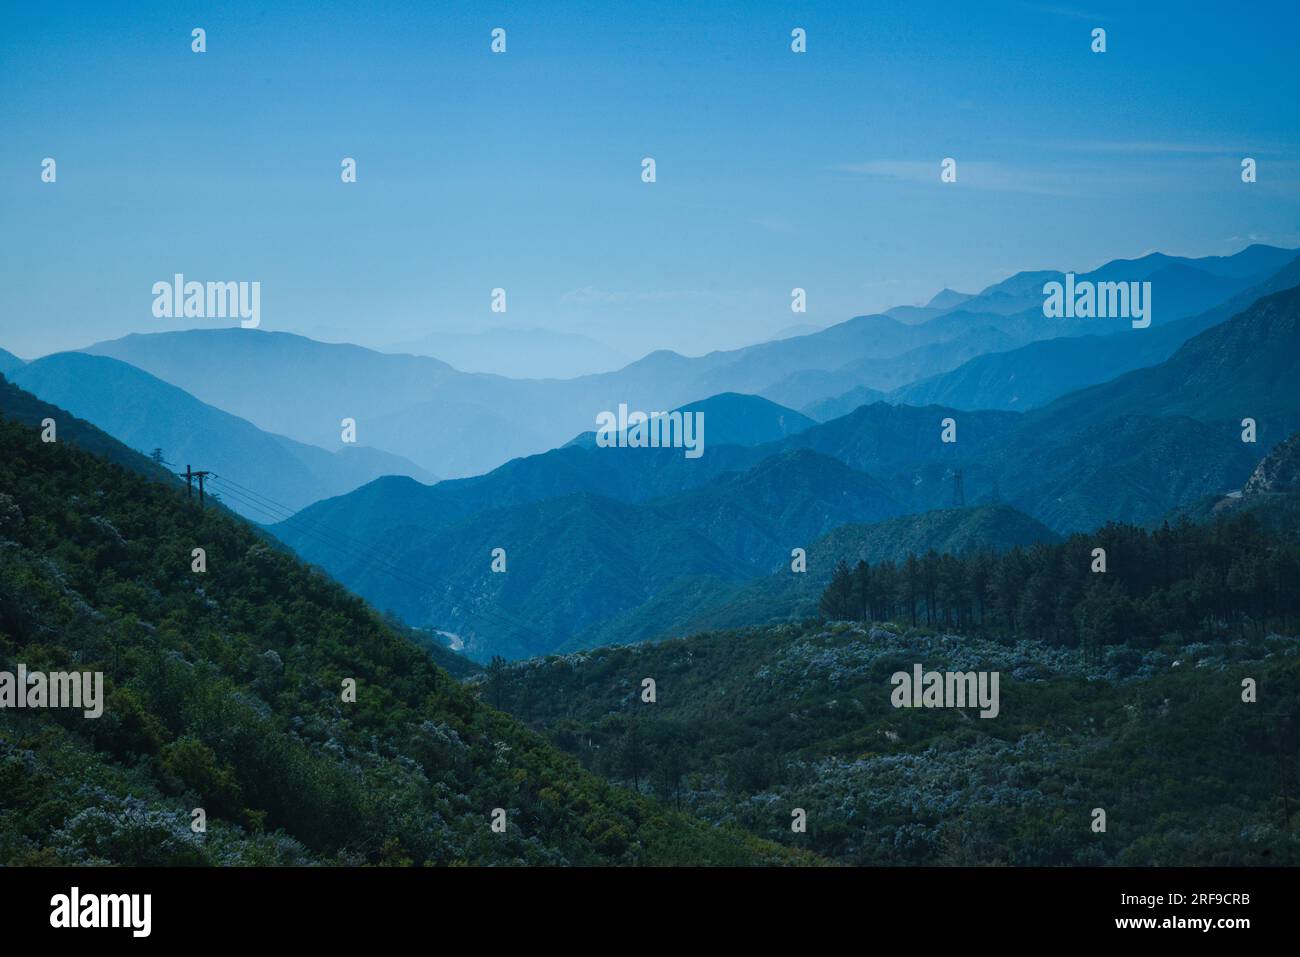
(862, 591)
(837, 600)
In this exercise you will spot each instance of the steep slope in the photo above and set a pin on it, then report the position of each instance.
(223, 691)
(730, 527)
(756, 368)
(948, 299)
(1130, 469)
(147, 413)
(1246, 367)
(1032, 375)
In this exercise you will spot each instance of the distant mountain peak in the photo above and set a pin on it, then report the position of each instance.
(948, 298)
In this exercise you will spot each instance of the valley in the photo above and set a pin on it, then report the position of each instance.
(938, 541)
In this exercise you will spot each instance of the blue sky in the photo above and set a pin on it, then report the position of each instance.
(522, 170)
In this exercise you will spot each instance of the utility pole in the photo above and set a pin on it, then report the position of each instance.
(190, 476)
(156, 455)
(958, 491)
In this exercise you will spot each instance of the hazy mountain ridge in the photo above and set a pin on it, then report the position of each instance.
(146, 413)
(1070, 465)
(9, 362)
(1244, 367)
(18, 405)
(1034, 374)
(454, 423)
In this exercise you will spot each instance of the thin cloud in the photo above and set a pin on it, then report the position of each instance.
(973, 174)
(773, 224)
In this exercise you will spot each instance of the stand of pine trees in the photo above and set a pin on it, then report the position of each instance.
(1187, 578)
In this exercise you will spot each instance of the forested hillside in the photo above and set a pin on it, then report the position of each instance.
(224, 690)
(750, 725)
(1162, 687)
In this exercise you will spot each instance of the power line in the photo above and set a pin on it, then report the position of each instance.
(189, 476)
(326, 537)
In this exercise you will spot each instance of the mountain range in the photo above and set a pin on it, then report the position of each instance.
(599, 536)
(1110, 452)
(455, 424)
